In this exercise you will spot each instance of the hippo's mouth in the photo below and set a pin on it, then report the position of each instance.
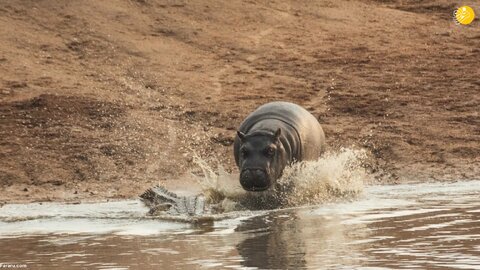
(254, 179)
(256, 189)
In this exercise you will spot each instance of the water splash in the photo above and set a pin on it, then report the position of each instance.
(338, 175)
(219, 187)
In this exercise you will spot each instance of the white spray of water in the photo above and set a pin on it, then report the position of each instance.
(219, 187)
(336, 175)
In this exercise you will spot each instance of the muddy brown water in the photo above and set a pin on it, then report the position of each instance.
(410, 226)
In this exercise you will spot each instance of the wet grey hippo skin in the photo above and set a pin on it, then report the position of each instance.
(273, 136)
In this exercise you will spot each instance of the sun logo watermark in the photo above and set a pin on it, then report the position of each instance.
(464, 15)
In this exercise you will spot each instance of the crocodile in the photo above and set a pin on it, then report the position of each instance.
(162, 201)
(165, 204)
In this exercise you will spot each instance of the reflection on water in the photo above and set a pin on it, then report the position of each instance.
(425, 226)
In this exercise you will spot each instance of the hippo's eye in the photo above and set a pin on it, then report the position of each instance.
(269, 152)
(244, 153)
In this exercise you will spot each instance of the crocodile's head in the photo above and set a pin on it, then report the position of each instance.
(261, 160)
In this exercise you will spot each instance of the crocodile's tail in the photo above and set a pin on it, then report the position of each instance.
(158, 195)
(160, 200)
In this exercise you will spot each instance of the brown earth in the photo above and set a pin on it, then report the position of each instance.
(102, 99)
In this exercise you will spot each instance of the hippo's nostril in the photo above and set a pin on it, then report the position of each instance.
(248, 175)
(254, 179)
(259, 174)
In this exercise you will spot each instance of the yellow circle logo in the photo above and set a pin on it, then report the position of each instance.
(464, 15)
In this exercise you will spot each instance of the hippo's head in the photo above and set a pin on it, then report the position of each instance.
(261, 160)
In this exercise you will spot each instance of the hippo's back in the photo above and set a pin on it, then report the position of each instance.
(304, 124)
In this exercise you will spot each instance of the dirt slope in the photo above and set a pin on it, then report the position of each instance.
(101, 99)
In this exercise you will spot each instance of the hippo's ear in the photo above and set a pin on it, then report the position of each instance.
(241, 135)
(277, 133)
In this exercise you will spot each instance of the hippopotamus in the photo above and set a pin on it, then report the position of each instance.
(272, 137)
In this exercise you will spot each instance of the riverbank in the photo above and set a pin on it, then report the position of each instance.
(102, 100)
